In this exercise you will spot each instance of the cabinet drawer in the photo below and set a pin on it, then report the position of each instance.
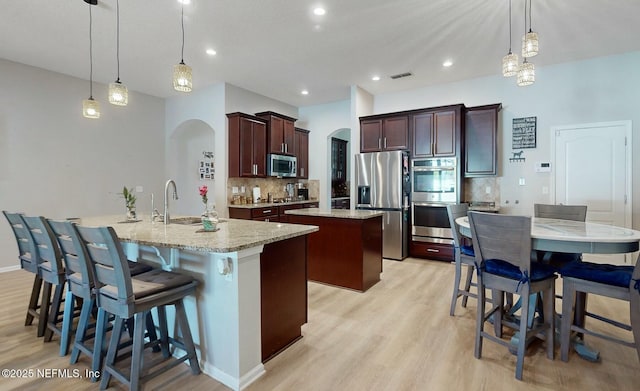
(264, 212)
(270, 218)
(439, 251)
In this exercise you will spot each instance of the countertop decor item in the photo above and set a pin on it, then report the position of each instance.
(130, 203)
(209, 216)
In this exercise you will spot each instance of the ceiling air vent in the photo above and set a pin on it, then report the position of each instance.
(401, 75)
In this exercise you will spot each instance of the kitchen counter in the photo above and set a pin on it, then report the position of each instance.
(347, 251)
(270, 204)
(251, 300)
(232, 235)
(336, 213)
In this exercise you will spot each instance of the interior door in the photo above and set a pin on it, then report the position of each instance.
(593, 168)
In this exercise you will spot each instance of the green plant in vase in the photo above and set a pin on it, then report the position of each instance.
(210, 216)
(130, 202)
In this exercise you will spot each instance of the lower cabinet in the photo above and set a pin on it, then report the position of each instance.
(437, 251)
(269, 213)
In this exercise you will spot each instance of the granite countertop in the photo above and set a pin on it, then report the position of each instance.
(270, 204)
(335, 213)
(232, 234)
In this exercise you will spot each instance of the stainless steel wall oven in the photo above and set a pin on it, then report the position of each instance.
(433, 186)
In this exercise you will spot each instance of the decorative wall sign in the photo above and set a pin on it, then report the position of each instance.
(517, 157)
(524, 133)
(206, 168)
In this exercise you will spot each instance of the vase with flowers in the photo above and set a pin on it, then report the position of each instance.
(130, 203)
(209, 216)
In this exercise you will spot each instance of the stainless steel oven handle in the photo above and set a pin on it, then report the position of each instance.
(425, 169)
(442, 204)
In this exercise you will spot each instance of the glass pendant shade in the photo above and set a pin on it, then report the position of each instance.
(530, 44)
(90, 108)
(118, 94)
(510, 65)
(526, 74)
(182, 77)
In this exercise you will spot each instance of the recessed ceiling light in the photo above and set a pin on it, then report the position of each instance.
(375, 78)
(319, 11)
(184, 1)
(447, 63)
(211, 52)
(304, 92)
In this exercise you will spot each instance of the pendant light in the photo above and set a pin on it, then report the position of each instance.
(529, 39)
(526, 73)
(118, 93)
(182, 72)
(90, 107)
(510, 61)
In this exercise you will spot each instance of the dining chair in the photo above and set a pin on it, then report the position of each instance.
(80, 287)
(51, 270)
(125, 297)
(502, 245)
(463, 255)
(561, 212)
(28, 262)
(615, 281)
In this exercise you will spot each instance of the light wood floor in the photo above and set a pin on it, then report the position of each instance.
(396, 336)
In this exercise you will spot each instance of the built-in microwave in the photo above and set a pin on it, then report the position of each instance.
(281, 166)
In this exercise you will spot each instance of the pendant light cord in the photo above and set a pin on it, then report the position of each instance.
(525, 17)
(118, 38)
(530, 16)
(509, 26)
(182, 51)
(90, 55)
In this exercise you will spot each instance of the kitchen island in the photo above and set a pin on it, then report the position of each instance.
(347, 251)
(252, 297)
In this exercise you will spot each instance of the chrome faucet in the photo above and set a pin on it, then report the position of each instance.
(166, 198)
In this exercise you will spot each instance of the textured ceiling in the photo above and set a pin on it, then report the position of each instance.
(279, 47)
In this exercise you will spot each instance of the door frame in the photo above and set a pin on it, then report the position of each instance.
(627, 126)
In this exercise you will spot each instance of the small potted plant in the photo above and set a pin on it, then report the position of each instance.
(130, 202)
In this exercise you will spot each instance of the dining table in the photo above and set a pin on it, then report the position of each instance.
(568, 236)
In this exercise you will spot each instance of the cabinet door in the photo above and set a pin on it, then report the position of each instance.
(422, 131)
(259, 148)
(395, 133)
(276, 135)
(246, 148)
(480, 139)
(302, 153)
(371, 136)
(444, 133)
(288, 137)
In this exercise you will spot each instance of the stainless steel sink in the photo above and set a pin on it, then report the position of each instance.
(186, 220)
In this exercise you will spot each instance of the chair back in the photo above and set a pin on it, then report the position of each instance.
(110, 270)
(48, 253)
(502, 237)
(455, 211)
(634, 304)
(75, 257)
(26, 246)
(563, 212)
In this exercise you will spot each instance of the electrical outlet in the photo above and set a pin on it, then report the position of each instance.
(234, 189)
(545, 190)
(521, 182)
(487, 189)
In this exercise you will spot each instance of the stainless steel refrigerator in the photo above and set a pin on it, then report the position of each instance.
(383, 183)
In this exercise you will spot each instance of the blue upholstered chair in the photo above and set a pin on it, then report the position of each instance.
(618, 282)
(463, 255)
(502, 245)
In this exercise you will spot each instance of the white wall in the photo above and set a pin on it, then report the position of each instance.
(244, 101)
(56, 163)
(322, 120)
(595, 90)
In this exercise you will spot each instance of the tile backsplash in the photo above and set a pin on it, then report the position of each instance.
(274, 186)
(482, 189)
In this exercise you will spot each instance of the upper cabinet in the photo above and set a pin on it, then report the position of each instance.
(301, 142)
(380, 133)
(247, 146)
(481, 141)
(280, 132)
(436, 132)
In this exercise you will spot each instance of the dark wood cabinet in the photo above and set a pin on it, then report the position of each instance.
(338, 160)
(267, 213)
(301, 142)
(280, 132)
(481, 141)
(428, 250)
(247, 146)
(437, 132)
(384, 134)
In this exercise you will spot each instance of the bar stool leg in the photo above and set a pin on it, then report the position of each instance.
(54, 312)
(67, 323)
(33, 301)
(44, 309)
(98, 341)
(137, 360)
(181, 314)
(116, 334)
(164, 334)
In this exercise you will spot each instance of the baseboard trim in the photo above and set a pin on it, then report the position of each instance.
(232, 382)
(9, 268)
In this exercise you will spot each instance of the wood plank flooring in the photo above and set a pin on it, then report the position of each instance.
(396, 336)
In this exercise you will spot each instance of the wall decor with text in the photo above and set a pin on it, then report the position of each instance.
(524, 133)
